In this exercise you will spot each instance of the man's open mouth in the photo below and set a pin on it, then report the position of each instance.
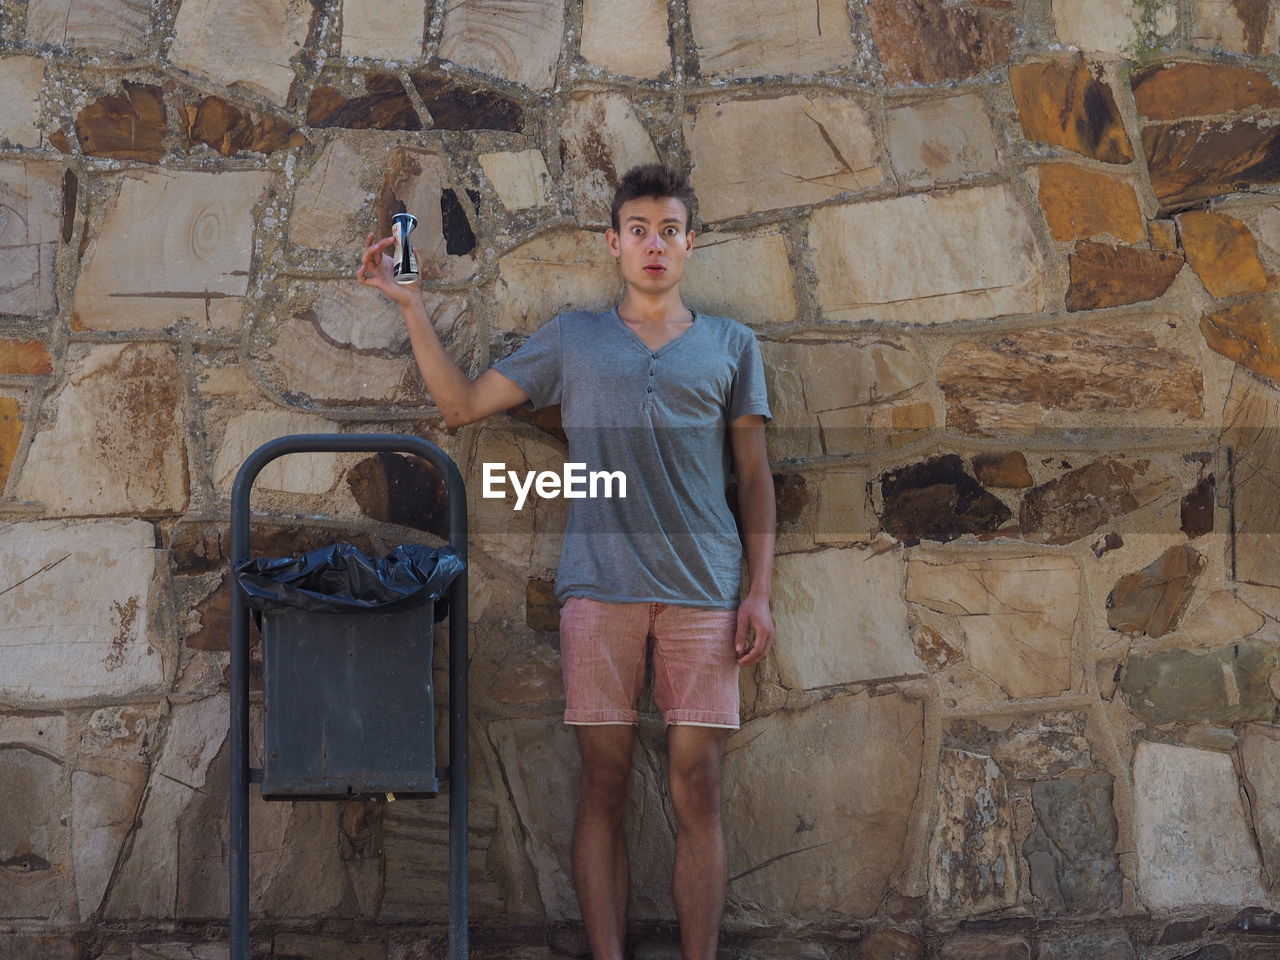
(654, 268)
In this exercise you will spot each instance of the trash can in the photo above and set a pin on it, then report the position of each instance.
(348, 696)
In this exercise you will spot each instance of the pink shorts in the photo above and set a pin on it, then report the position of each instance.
(695, 667)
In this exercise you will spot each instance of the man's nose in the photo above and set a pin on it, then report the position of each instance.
(654, 243)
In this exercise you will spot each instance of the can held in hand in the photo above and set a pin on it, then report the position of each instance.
(405, 269)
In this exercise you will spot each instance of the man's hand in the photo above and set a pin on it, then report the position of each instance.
(376, 270)
(755, 619)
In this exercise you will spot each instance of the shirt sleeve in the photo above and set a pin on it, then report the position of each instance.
(750, 394)
(537, 366)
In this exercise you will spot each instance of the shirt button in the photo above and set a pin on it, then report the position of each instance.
(654, 355)
(650, 390)
(651, 373)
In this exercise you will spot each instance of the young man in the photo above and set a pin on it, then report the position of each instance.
(665, 395)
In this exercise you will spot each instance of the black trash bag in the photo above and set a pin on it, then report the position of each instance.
(340, 578)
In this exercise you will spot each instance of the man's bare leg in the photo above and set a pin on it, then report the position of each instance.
(695, 756)
(600, 868)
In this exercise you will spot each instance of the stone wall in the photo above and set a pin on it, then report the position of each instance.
(1012, 264)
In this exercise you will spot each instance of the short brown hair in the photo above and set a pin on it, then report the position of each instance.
(653, 180)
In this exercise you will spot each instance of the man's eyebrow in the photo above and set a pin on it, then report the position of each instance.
(675, 220)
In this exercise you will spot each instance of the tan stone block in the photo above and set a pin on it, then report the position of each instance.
(1172, 91)
(1163, 235)
(520, 179)
(818, 146)
(928, 258)
(1077, 503)
(1222, 618)
(850, 804)
(744, 276)
(417, 181)
(33, 835)
(1061, 102)
(249, 45)
(383, 29)
(1192, 840)
(1108, 26)
(758, 37)
(600, 139)
(941, 140)
(843, 513)
(1222, 252)
(10, 436)
(1017, 615)
(1226, 25)
(1250, 416)
(973, 864)
(1080, 203)
(21, 79)
(626, 36)
(25, 358)
(328, 200)
(554, 272)
(920, 41)
(117, 440)
(843, 618)
(119, 27)
(312, 473)
(529, 538)
(77, 616)
(1260, 758)
(170, 244)
(104, 800)
(518, 40)
(1247, 332)
(31, 195)
(1077, 377)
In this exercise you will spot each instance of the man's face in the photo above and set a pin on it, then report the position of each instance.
(651, 243)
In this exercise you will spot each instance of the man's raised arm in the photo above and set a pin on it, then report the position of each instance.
(461, 400)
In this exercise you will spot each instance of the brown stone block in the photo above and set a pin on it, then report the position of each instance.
(1077, 503)
(10, 434)
(925, 42)
(24, 357)
(384, 106)
(1248, 333)
(985, 948)
(1162, 235)
(129, 125)
(1107, 276)
(974, 864)
(1080, 203)
(1197, 508)
(1222, 252)
(1002, 470)
(541, 609)
(1152, 601)
(1019, 381)
(1175, 91)
(936, 500)
(228, 129)
(891, 945)
(404, 490)
(1061, 102)
(461, 105)
(1194, 159)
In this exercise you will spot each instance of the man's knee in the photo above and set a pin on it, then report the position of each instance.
(695, 789)
(606, 768)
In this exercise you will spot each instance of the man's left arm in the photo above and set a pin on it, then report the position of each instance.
(758, 514)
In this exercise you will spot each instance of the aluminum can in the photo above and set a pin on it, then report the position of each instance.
(405, 269)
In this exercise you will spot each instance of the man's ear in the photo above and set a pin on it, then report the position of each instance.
(689, 235)
(611, 241)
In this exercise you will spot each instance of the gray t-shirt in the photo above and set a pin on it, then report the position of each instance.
(661, 417)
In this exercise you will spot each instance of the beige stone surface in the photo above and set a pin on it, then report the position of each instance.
(746, 276)
(928, 258)
(383, 29)
(1251, 416)
(171, 245)
(77, 611)
(1260, 760)
(747, 39)
(840, 618)
(601, 137)
(1017, 615)
(514, 39)
(1227, 25)
(1222, 618)
(626, 36)
(1107, 26)
(973, 866)
(819, 146)
(843, 512)
(242, 45)
(104, 799)
(328, 199)
(520, 178)
(116, 439)
(120, 27)
(939, 141)
(791, 844)
(312, 473)
(824, 392)
(553, 272)
(1192, 839)
(31, 203)
(528, 539)
(21, 79)
(33, 834)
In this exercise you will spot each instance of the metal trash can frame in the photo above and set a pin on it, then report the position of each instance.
(456, 772)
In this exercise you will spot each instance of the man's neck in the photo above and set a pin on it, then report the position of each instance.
(638, 307)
